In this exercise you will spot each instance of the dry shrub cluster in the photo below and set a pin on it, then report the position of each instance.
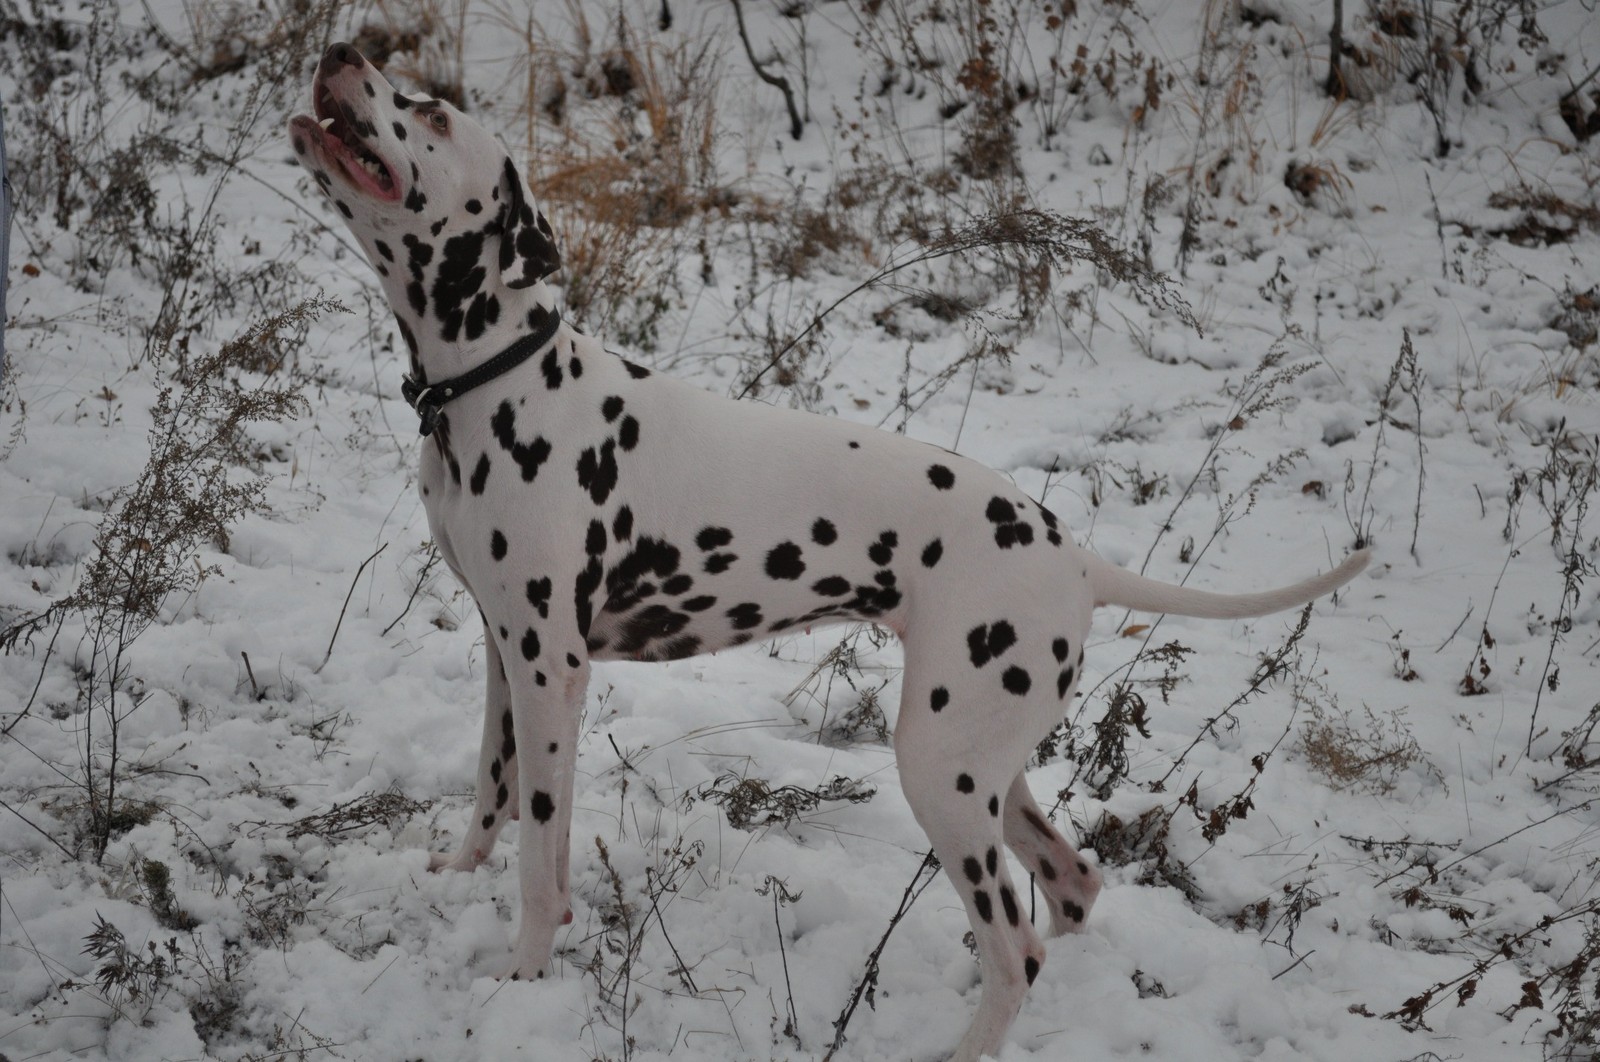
(146, 552)
(752, 803)
(1367, 753)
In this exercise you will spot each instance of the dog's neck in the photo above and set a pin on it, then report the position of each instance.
(464, 319)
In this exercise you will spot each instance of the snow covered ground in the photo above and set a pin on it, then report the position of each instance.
(1385, 848)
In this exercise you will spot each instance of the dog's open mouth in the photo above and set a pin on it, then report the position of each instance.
(344, 147)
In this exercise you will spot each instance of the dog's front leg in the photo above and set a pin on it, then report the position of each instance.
(548, 673)
(497, 768)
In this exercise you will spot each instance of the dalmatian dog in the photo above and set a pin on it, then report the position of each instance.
(598, 511)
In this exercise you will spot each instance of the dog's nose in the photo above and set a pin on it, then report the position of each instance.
(341, 54)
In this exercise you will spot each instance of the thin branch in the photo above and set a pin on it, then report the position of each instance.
(69, 853)
(329, 654)
(777, 81)
(422, 578)
(869, 978)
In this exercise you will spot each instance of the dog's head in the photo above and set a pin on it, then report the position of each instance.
(435, 200)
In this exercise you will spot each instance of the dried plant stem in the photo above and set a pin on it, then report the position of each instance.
(422, 580)
(777, 81)
(329, 654)
(1055, 238)
(869, 978)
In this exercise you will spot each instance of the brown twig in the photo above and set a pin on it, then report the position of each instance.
(351, 593)
(869, 978)
(777, 81)
(255, 691)
(422, 578)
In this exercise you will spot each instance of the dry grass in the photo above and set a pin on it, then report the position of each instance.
(625, 134)
(1366, 752)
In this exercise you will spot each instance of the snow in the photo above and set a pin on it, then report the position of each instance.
(1328, 905)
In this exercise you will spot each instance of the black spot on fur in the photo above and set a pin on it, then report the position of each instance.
(497, 545)
(994, 806)
(528, 457)
(941, 477)
(611, 408)
(1008, 531)
(783, 562)
(633, 578)
(939, 698)
(882, 551)
(720, 562)
(595, 541)
(542, 806)
(539, 596)
(1030, 968)
(638, 372)
(992, 861)
(530, 645)
(649, 624)
(985, 642)
(973, 871)
(583, 590)
(1072, 910)
(480, 474)
(980, 900)
(628, 433)
(1047, 870)
(745, 616)
(1063, 683)
(1016, 681)
(1009, 902)
(1060, 649)
(964, 783)
(823, 533)
(597, 471)
(931, 553)
(550, 365)
(832, 586)
(622, 526)
(711, 538)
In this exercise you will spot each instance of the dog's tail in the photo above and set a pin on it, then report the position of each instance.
(1118, 586)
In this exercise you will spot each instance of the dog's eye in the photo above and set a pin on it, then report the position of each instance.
(439, 119)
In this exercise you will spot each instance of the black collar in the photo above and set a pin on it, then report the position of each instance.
(429, 399)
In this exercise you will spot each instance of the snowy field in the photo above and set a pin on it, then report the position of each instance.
(240, 695)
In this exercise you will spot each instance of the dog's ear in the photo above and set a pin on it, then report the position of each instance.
(527, 247)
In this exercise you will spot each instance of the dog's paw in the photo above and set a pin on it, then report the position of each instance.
(525, 970)
(465, 859)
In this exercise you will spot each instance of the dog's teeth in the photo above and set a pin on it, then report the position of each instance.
(325, 123)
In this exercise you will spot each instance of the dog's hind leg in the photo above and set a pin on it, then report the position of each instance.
(1070, 882)
(954, 783)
